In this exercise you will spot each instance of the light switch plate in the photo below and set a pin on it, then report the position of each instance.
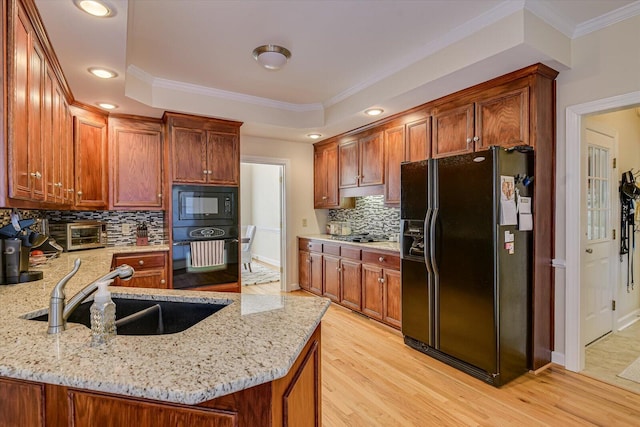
(126, 228)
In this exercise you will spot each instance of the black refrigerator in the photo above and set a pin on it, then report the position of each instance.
(466, 260)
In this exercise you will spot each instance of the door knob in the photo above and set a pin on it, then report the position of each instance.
(589, 251)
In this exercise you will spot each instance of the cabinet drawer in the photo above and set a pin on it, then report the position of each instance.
(382, 259)
(350, 252)
(140, 261)
(309, 245)
(331, 249)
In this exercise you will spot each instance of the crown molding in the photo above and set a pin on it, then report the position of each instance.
(608, 19)
(219, 93)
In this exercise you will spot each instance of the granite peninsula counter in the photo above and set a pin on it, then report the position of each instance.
(255, 340)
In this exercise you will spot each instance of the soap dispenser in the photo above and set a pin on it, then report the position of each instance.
(103, 315)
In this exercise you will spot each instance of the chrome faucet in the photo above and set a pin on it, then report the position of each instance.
(59, 311)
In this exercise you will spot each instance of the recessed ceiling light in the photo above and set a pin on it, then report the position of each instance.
(314, 135)
(374, 111)
(107, 105)
(103, 73)
(271, 56)
(94, 7)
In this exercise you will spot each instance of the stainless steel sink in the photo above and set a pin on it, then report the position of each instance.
(147, 317)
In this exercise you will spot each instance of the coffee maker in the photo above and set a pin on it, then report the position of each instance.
(16, 241)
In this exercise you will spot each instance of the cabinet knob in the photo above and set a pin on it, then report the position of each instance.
(159, 196)
(80, 193)
(468, 140)
(141, 262)
(476, 139)
(381, 259)
(70, 190)
(162, 282)
(309, 245)
(57, 184)
(356, 177)
(36, 174)
(324, 197)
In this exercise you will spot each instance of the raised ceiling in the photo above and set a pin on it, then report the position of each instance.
(194, 56)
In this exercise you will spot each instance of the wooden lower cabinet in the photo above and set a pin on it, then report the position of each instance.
(331, 273)
(150, 269)
(294, 400)
(351, 281)
(365, 280)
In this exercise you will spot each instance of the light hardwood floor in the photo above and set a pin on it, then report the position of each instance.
(371, 378)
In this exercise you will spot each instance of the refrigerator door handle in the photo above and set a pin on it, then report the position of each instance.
(427, 219)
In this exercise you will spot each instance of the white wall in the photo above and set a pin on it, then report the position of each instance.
(627, 124)
(298, 192)
(605, 63)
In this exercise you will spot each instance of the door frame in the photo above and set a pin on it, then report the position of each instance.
(574, 347)
(286, 165)
(614, 222)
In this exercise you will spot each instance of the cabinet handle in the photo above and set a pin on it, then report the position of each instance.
(141, 262)
(162, 282)
(356, 177)
(381, 259)
(468, 141)
(209, 172)
(382, 280)
(36, 174)
(476, 139)
(70, 190)
(57, 184)
(159, 196)
(309, 245)
(80, 194)
(324, 197)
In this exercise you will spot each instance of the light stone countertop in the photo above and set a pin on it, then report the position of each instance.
(385, 246)
(255, 339)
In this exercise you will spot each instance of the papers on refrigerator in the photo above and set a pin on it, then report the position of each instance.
(525, 218)
(508, 208)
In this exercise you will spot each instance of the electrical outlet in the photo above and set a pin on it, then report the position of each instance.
(304, 222)
(126, 228)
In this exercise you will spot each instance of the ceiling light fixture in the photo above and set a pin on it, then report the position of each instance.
(103, 73)
(107, 105)
(374, 111)
(94, 7)
(271, 56)
(314, 135)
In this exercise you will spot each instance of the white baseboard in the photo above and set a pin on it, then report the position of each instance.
(267, 260)
(557, 358)
(293, 287)
(628, 320)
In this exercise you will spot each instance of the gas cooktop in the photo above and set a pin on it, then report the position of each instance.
(361, 238)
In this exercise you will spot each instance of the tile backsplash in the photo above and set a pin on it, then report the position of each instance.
(369, 216)
(114, 221)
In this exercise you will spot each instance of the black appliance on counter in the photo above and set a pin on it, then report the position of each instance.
(465, 277)
(16, 242)
(204, 235)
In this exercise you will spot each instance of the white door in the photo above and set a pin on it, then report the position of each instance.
(599, 247)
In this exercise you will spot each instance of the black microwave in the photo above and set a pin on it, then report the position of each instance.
(200, 205)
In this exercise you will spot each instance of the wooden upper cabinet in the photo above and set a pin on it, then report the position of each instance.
(418, 140)
(371, 159)
(90, 153)
(136, 159)
(325, 176)
(203, 150)
(348, 164)
(190, 160)
(502, 118)
(394, 148)
(223, 158)
(453, 130)
(361, 161)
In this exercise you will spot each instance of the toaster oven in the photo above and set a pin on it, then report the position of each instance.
(77, 235)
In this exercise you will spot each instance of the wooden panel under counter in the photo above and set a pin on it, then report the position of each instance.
(150, 269)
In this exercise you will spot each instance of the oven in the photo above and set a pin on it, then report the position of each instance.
(204, 236)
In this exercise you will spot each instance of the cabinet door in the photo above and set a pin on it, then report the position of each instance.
(418, 140)
(20, 180)
(453, 131)
(22, 403)
(56, 155)
(304, 265)
(49, 151)
(316, 273)
(371, 160)
(394, 146)
(223, 159)
(372, 293)
(68, 189)
(36, 117)
(319, 179)
(351, 283)
(331, 275)
(189, 153)
(153, 278)
(90, 148)
(503, 119)
(136, 164)
(348, 164)
(392, 298)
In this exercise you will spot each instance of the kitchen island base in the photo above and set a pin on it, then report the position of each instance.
(293, 400)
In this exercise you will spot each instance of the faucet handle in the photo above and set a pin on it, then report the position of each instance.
(58, 290)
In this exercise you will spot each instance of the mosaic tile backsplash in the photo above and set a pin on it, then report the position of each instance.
(113, 220)
(369, 216)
